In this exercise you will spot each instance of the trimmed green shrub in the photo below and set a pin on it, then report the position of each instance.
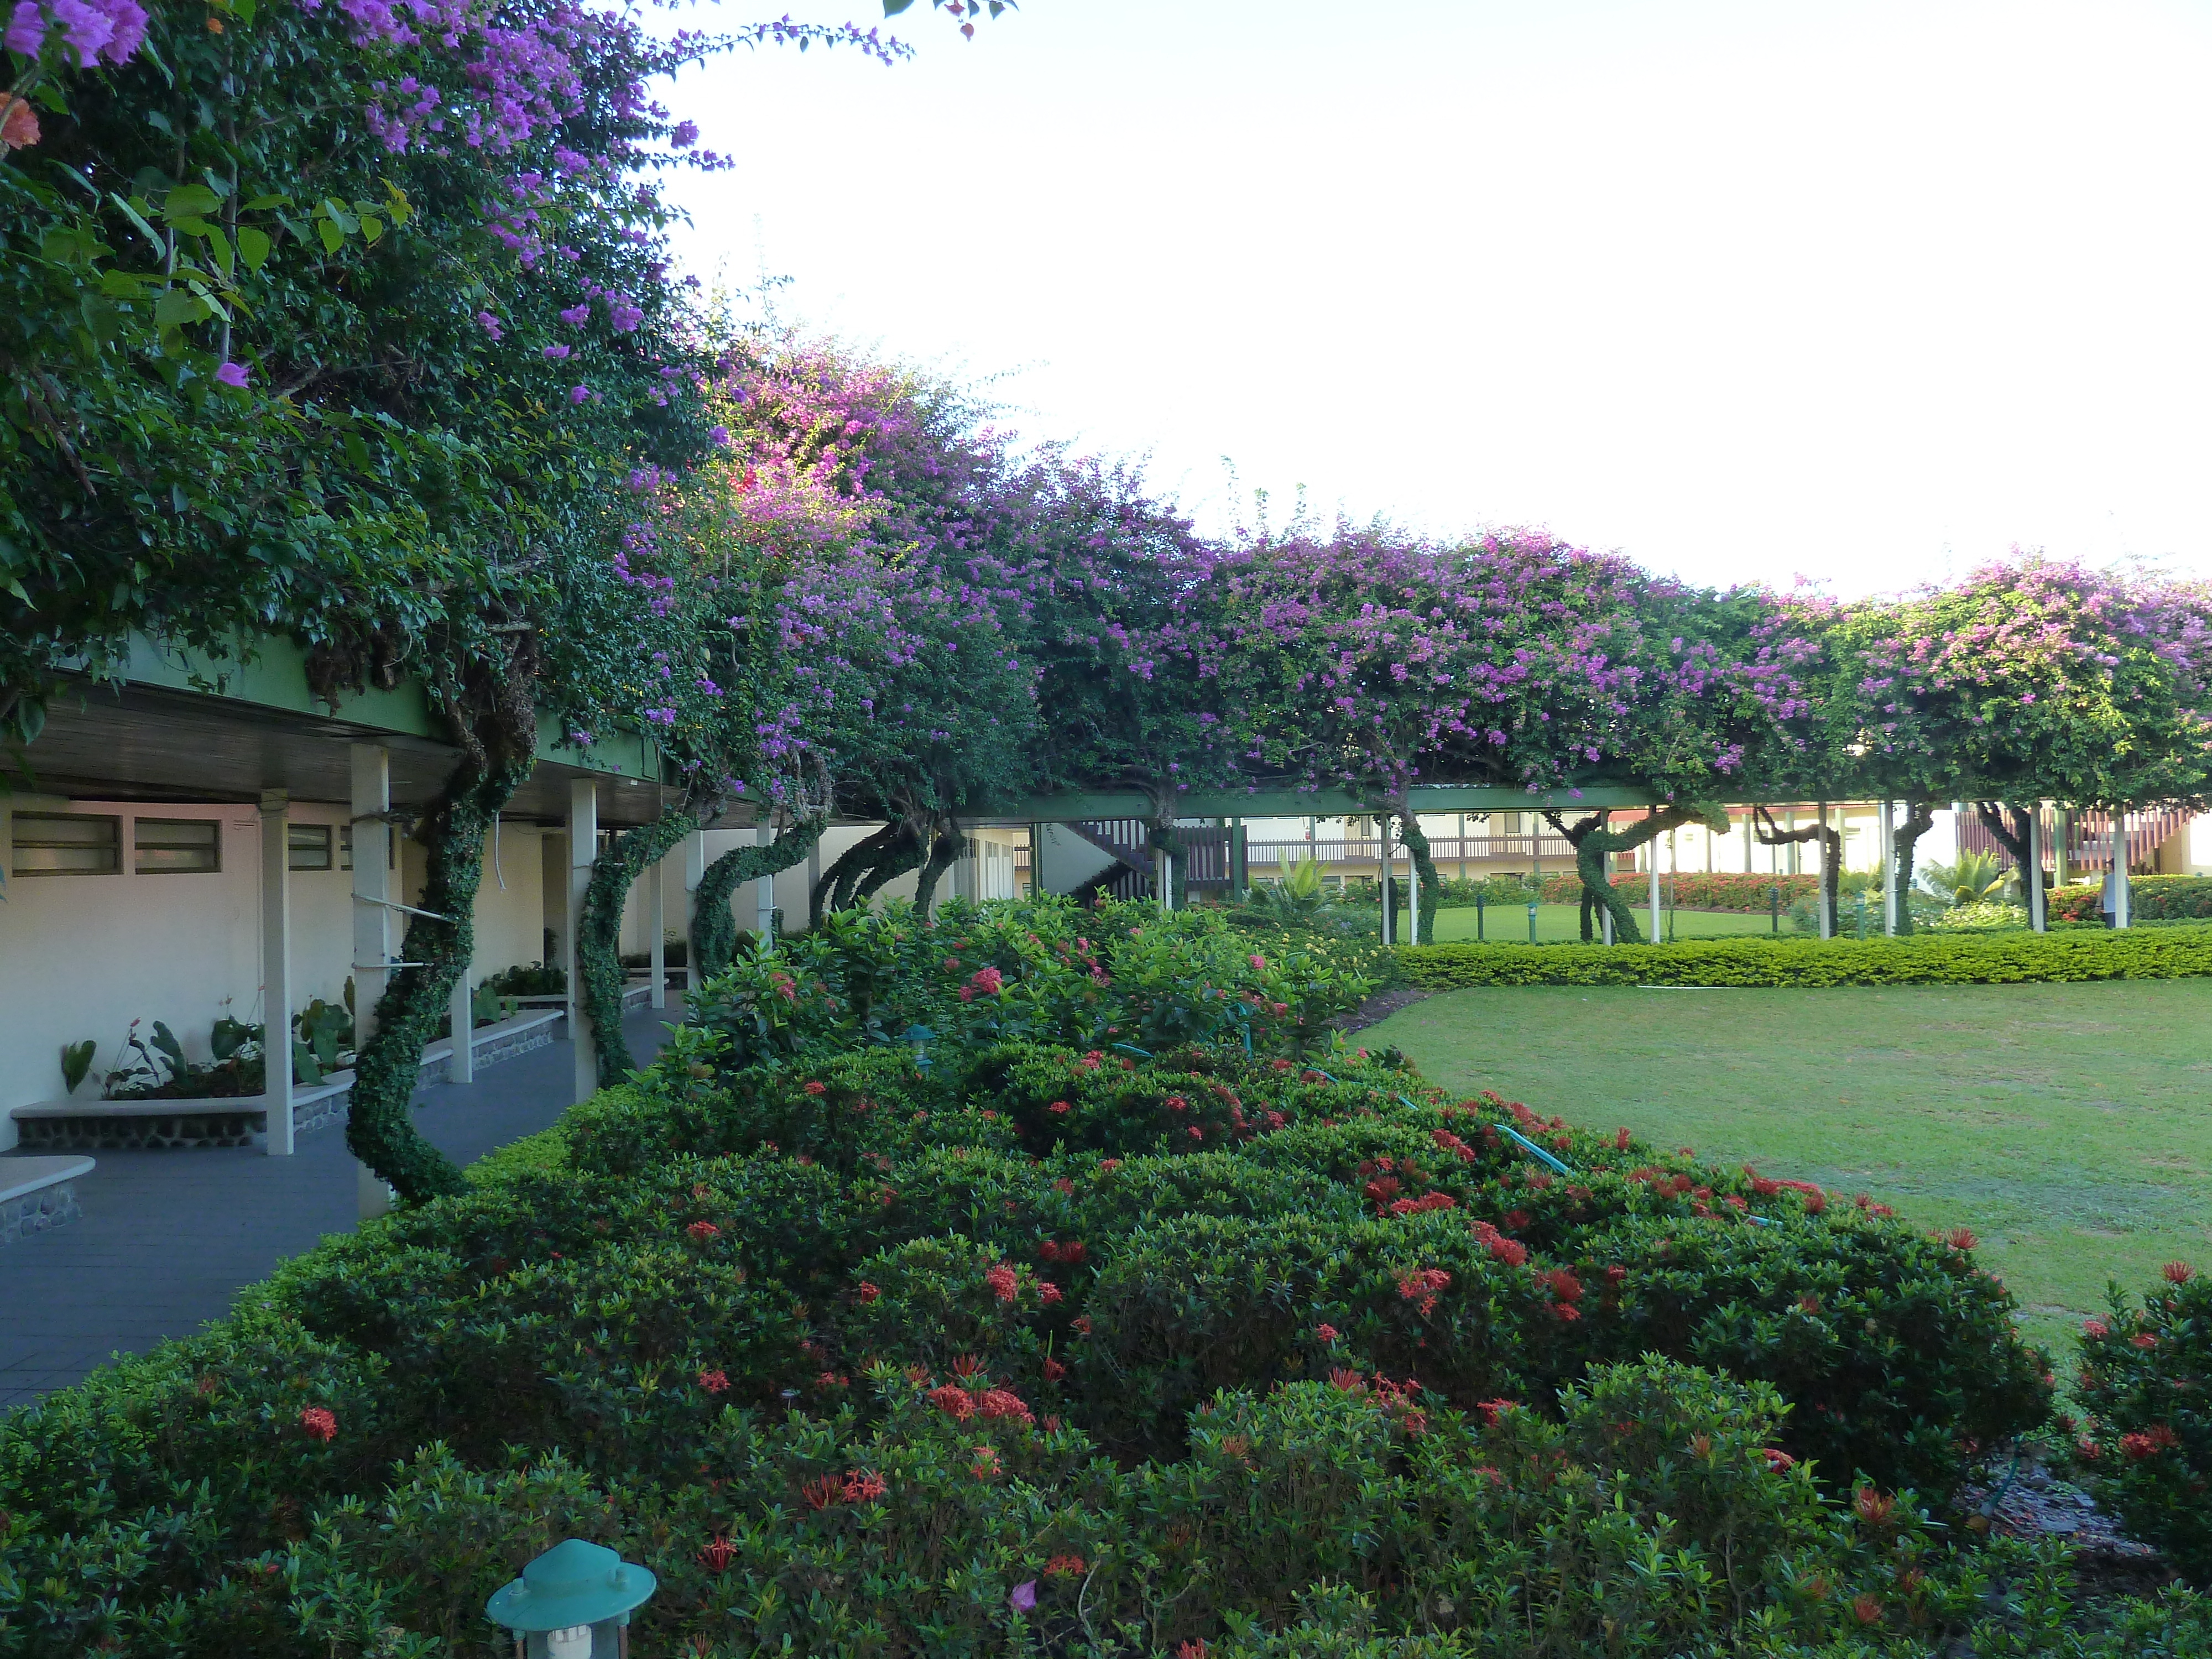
(874, 1350)
(2145, 1447)
(2001, 959)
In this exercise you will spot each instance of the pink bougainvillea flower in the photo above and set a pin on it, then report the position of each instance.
(1023, 1597)
(578, 394)
(575, 315)
(18, 127)
(555, 354)
(718, 436)
(489, 323)
(232, 374)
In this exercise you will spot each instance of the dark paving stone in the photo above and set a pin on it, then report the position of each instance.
(168, 1238)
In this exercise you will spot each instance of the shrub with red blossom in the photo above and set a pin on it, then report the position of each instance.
(2145, 1389)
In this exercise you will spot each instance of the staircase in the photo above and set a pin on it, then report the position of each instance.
(2089, 839)
(1127, 868)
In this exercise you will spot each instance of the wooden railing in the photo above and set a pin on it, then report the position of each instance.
(2089, 838)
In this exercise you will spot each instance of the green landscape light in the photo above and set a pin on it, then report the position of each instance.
(573, 1602)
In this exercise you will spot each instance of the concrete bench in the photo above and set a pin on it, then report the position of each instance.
(38, 1192)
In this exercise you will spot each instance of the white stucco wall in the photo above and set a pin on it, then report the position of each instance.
(82, 956)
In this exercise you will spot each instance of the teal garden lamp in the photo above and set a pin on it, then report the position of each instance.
(573, 1602)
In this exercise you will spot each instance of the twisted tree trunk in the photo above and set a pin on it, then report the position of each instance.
(835, 890)
(1904, 843)
(1831, 851)
(598, 932)
(2011, 836)
(1593, 842)
(948, 845)
(713, 931)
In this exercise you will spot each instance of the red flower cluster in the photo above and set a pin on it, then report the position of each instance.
(1777, 1459)
(1326, 1333)
(1065, 1566)
(1420, 1286)
(716, 1554)
(1508, 1251)
(1620, 1141)
(1059, 1108)
(713, 1381)
(703, 1231)
(820, 1493)
(1004, 1403)
(2178, 1273)
(868, 1292)
(1053, 1371)
(818, 1088)
(955, 1401)
(2148, 1443)
(863, 1487)
(1451, 1143)
(2095, 1329)
(1074, 1250)
(1961, 1238)
(320, 1423)
(1422, 1204)
(986, 1464)
(1491, 1410)
(1005, 1284)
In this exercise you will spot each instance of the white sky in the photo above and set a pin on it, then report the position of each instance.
(1864, 292)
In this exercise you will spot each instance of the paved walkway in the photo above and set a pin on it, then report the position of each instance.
(167, 1238)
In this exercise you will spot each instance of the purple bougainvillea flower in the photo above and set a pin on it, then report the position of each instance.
(129, 18)
(1023, 1597)
(578, 394)
(489, 323)
(232, 374)
(27, 27)
(555, 354)
(575, 316)
(718, 436)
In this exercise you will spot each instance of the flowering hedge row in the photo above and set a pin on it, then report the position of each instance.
(2150, 898)
(1921, 959)
(864, 1342)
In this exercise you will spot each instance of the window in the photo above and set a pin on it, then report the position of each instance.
(175, 846)
(345, 850)
(66, 844)
(307, 846)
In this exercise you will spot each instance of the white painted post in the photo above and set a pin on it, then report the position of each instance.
(2063, 823)
(1888, 867)
(656, 917)
(1414, 896)
(1827, 913)
(1651, 858)
(694, 872)
(370, 765)
(2123, 903)
(1383, 878)
(764, 891)
(1605, 922)
(276, 969)
(1164, 862)
(583, 848)
(2038, 912)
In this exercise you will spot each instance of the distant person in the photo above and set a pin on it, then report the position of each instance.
(2111, 899)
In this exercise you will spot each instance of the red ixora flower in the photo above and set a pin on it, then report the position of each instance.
(868, 1292)
(716, 1554)
(1961, 1238)
(320, 1423)
(954, 1401)
(2178, 1273)
(823, 1493)
(863, 1487)
(1326, 1333)
(1059, 1108)
(817, 1088)
(713, 1381)
(703, 1231)
(1065, 1566)
(2095, 1329)
(1005, 1283)
(2143, 1339)
(1420, 1286)
(1777, 1459)
(1865, 1608)
(1004, 1402)
(1053, 1371)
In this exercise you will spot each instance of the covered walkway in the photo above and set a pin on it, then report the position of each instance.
(168, 1238)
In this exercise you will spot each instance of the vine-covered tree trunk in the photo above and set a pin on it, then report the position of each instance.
(1831, 851)
(713, 930)
(1594, 843)
(1416, 842)
(2011, 836)
(905, 854)
(598, 932)
(496, 725)
(1904, 843)
(833, 892)
(949, 845)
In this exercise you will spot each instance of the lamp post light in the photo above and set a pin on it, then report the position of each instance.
(573, 1602)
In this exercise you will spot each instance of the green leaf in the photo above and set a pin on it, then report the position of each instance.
(122, 285)
(893, 8)
(220, 244)
(190, 201)
(177, 307)
(191, 224)
(263, 204)
(131, 211)
(252, 246)
(338, 214)
(372, 228)
(333, 238)
(399, 209)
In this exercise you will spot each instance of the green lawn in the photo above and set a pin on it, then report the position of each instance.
(2070, 1126)
(1559, 923)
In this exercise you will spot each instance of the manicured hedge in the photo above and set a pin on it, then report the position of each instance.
(1922, 959)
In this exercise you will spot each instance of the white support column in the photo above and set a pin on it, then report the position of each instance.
(1165, 861)
(656, 918)
(1383, 878)
(1827, 912)
(1412, 897)
(583, 848)
(1651, 860)
(371, 769)
(1889, 867)
(2063, 823)
(2123, 905)
(460, 1023)
(276, 968)
(764, 896)
(2031, 876)
(694, 872)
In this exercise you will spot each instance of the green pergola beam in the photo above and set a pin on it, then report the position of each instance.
(1282, 803)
